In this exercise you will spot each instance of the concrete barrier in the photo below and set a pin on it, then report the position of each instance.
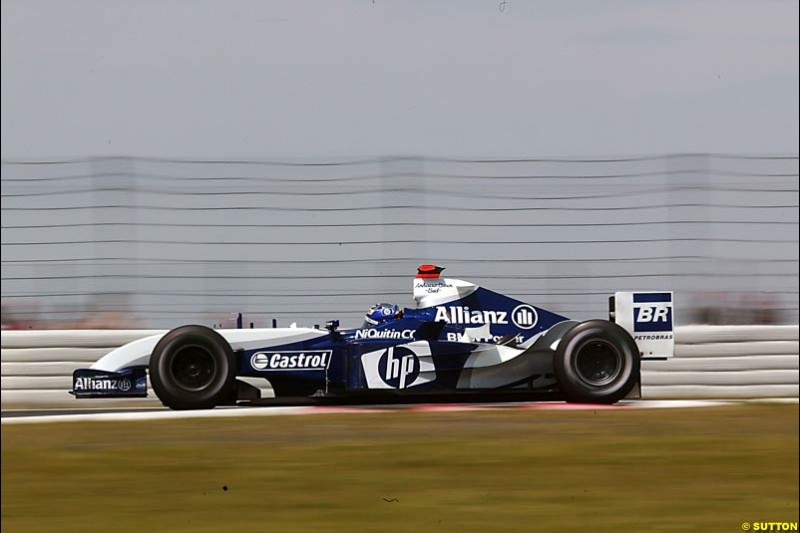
(727, 362)
(709, 362)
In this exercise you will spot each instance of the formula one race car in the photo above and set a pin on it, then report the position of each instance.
(459, 340)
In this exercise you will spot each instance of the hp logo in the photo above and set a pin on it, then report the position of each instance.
(398, 367)
(524, 316)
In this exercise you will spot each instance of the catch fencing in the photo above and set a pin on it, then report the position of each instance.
(156, 243)
(709, 362)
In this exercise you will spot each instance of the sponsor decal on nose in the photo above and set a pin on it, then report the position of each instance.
(129, 382)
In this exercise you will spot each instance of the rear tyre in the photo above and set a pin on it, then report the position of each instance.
(597, 362)
(193, 367)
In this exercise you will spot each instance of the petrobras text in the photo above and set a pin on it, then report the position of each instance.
(654, 337)
(101, 384)
(385, 334)
(295, 360)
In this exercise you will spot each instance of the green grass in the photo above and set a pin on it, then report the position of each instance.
(696, 469)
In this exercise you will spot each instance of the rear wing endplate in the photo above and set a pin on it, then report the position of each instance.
(648, 317)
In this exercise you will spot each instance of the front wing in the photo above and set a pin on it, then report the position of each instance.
(128, 383)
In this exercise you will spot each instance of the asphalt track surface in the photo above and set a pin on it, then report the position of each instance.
(18, 416)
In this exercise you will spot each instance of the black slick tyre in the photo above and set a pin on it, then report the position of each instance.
(596, 362)
(192, 367)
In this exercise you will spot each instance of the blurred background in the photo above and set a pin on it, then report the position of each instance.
(296, 161)
(116, 242)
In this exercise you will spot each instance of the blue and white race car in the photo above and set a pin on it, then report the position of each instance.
(458, 340)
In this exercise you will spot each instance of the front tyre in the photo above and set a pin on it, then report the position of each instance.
(597, 362)
(193, 367)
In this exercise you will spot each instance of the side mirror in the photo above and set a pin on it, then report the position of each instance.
(331, 325)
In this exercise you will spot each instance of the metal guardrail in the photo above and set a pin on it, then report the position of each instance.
(709, 362)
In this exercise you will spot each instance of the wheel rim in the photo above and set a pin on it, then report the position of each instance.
(598, 363)
(193, 368)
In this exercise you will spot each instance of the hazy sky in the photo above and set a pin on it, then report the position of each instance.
(287, 79)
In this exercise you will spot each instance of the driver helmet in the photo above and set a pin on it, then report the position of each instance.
(381, 313)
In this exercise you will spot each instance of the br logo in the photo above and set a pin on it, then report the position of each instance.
(653, 314)
(652, 318)
(398, 367)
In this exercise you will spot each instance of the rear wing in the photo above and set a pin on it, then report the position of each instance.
(648, 317)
